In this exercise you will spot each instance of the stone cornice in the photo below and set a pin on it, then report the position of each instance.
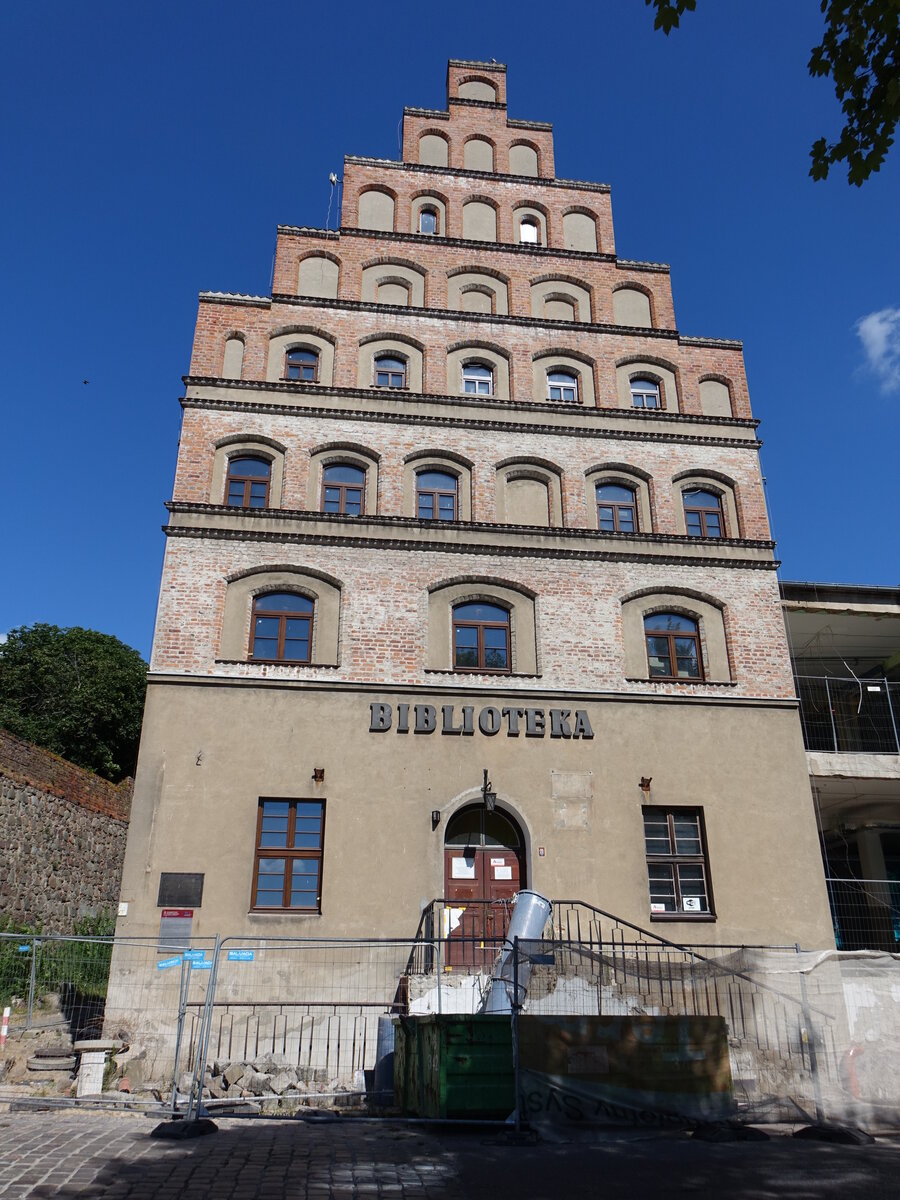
(534, 181)
(462, 686)
(436, 535)
(237, 298)
(473, 318)
(635, 264)
(453, 314)
(402, 414)
(491, 549)
(478, 64)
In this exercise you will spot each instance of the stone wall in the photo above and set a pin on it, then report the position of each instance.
(62, 838)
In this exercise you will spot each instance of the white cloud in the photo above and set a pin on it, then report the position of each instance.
(879, 333)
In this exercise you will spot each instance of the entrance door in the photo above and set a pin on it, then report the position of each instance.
(484, 867)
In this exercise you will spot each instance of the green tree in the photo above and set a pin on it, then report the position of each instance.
(76, 692)
(860, 50)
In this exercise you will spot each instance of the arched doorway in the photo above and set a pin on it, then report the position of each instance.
(484, 867)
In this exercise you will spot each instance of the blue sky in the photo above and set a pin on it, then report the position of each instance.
(148, 152)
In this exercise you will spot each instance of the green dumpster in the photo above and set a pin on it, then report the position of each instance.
(454, 1066)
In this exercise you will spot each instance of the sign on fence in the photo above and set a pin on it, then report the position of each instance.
(240, 956)
(174, 961)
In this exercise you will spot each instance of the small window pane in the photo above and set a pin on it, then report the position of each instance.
(662, 887)
(480, 612)
(256, 467)
(673, 622)
(428, 220)
(426, 506)
(698, 499)
(495, 659)
(693, 525)
(447, 508)
(687, 835)
(465, 657)
(466, 635)
(344, 473)
(528, 231)
(613, 492)
(439, 481)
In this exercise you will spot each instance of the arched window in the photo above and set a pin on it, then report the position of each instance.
(644, 393)
(390, 372)
(481, 638)
(343, 489)
(281, 629)
(428, 220)
(562, 386)
(673, 646)
(302, 365)
(703, 513)
(247, 483)
(616, 509)
(529, 231)
(436, 496)
(477, 379)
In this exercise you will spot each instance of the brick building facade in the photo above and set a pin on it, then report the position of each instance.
(458, 496)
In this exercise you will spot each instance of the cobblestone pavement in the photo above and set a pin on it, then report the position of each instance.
(111, 1155)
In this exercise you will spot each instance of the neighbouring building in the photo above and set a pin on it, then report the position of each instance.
(458, 497)
(845, 646)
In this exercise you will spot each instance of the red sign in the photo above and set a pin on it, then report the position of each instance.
(177, 912)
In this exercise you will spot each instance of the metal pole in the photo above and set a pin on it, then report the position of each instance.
(182, 1012)
(887, 689)
(515, 1034)
(203, 1040)
(831, 715)
(811, 1044)
(440, 973)
(32, 982)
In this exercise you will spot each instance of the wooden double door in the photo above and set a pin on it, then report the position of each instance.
(484, 867)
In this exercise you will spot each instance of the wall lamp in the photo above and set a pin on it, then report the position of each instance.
(435, 818)
(488, 795)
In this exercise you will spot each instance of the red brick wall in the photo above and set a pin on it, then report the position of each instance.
(29, 764)
(217, 320)
(434, 257)
(301, 433)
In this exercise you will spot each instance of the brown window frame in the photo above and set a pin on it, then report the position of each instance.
(343, 488)
(403, 372)
(435, 494)
(659, 406)
(491, 382)
(247, 481)
(532, 223)
(616, 505)
(288, 853)
(435, 212)
(283, 618)
(701, 512)
(304, 350)
(671, 635)
(480, 668)
(676, 860)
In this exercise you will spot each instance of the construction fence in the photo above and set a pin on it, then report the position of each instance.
(809, 1033)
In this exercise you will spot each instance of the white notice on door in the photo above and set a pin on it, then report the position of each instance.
(462, 868)
(498, 862)
(503, 872)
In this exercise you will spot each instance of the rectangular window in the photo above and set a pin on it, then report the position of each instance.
(289, 842)
(675, 841)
